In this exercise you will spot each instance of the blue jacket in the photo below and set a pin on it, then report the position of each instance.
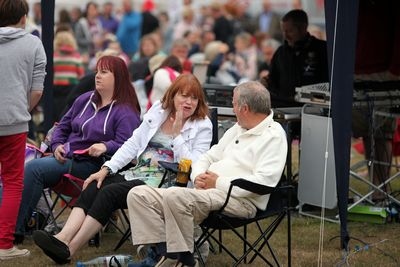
(84, 125)
(129, 32)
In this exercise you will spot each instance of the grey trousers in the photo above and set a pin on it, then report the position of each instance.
(170, 214)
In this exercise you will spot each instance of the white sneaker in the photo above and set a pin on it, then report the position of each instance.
(14, 252)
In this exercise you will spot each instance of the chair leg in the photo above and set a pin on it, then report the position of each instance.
(127, 229)
(244, 243)
(289, 229)
(123, 219)
(197, 251)
(51, 218)
(123, 239)
(266, 234)
(220, 240)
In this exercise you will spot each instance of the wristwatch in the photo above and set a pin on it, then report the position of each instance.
(109, 171)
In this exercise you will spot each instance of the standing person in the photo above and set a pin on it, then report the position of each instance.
(100, 121)
(301, 60)
(254, 149)
(129, 29)
(174, 128)
(22, 72)
(107, 19)
(89, 33)
(269, 21)
(166, 31)
(150, 22)
(68, 69)
(223, 28)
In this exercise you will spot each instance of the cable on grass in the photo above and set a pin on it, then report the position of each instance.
(346, 254)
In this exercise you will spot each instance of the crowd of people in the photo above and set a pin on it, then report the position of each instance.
(238, 47)
(123, 87)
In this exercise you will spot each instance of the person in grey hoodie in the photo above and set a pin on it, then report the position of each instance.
(22, 73)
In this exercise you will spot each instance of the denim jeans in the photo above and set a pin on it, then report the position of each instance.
(43, 173)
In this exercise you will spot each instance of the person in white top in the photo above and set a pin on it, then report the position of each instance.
(168, 71)
(255, 149)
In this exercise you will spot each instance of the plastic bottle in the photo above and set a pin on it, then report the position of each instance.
(107, 261)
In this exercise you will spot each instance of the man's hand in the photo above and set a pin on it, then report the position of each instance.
(34, 98)
(206, 180)
(97, 176)
(96, 150)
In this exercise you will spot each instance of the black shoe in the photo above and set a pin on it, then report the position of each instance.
(52, 247)
(95, 241)
(18, 239)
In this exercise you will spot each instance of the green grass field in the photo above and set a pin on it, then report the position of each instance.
(315, 242)
(307, 247)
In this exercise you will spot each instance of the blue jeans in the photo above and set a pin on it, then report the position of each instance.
(43, 173)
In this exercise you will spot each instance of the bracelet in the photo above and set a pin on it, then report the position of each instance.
(109, 171)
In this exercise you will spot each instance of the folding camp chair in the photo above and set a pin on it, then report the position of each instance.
(68, 190)
(277, 209)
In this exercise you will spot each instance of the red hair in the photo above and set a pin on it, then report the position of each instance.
(124, 92)
(186, 84)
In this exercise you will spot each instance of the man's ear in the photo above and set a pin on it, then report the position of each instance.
(245, 107)
(22, 21)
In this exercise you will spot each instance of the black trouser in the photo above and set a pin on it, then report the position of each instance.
(101, 203)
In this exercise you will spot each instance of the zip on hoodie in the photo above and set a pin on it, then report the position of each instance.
(94, 115)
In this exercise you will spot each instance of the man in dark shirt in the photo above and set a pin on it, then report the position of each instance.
(301, 60)
(222, 26)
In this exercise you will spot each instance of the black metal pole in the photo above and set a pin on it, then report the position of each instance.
(47, 39)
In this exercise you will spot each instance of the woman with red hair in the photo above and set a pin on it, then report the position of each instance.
(99, 121)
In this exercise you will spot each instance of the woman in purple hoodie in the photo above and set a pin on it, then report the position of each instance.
(99, 120)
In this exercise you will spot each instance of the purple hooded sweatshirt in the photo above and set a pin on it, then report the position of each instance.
(83, 125)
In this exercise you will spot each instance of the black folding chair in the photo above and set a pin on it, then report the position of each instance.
(277, 208)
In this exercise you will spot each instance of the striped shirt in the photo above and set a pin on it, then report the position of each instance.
(68, 66)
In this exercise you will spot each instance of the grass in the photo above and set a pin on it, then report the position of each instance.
(383, 250)
(314, 241)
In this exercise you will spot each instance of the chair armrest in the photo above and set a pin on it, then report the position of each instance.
(253, 187)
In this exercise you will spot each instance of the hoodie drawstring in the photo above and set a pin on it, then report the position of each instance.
(87, 104)
(108, 114)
